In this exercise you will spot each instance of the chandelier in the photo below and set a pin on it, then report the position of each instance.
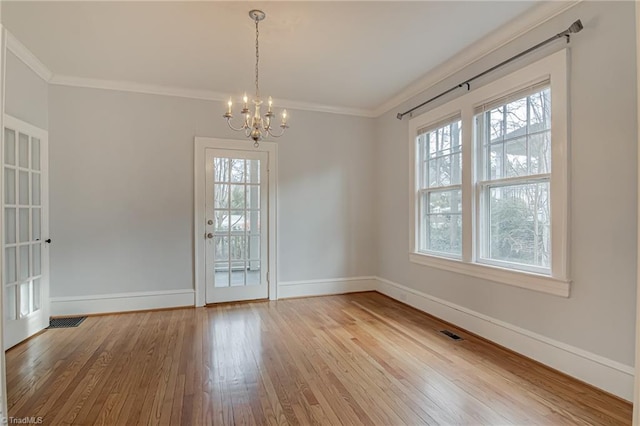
(255, 126)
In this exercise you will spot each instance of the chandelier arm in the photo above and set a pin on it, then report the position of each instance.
(273, 135)
(233, 128)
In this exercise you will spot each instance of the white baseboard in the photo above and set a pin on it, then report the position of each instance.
(325, 287)
(121, 302)
(611, 376)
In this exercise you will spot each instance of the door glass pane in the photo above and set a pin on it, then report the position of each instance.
(254, 221)
(24, 225)
(36, 189)
(253, 171)
(37, 266)
(221, 169)
(237, 197)
(35, 153)
(36, 294)
(253, 251)
(10, 225)
(9, 147)
(23, 187)
(23, 150)
(10, 302)
(23, 263)
(237, 221)
(24, 299)
(237, 170)
(9, 186)
(221, 274)
(237, 247)
(10, 265)
(35, 224)
(253, 197)
(221, 248)
(238, 273)
(221, 196)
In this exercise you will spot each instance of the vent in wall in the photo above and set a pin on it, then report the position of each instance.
(65, 322)
(451, 335)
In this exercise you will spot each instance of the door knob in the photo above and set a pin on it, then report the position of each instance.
(209, 235)
(48, 240)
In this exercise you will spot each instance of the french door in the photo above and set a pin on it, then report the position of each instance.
(236, 246)
(25, 251)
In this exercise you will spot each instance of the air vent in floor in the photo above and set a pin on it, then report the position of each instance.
(65, 322)
(451, 335)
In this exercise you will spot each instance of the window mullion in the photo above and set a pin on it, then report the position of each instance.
(468, 177)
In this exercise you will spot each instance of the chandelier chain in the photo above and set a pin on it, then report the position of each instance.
(257, 60)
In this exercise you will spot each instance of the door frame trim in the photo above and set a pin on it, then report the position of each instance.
(199, 167)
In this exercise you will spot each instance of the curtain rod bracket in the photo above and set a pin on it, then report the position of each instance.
(574, 28)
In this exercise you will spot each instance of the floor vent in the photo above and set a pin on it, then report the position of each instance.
(451, 335)
(65, 322)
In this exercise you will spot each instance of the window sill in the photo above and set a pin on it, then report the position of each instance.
(528, 280)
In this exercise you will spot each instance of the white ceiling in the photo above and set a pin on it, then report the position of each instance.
(345, 54)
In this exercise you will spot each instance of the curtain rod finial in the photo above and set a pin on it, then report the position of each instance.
(399, 116)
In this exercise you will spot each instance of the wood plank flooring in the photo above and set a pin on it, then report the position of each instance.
(351, 359)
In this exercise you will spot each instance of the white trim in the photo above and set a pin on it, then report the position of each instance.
(604, 373)
(478, 50)
(25, 55)
(636, 395)
(199, 170)
(530, 281)
(121, 302)
(208, 95)
(326, 287)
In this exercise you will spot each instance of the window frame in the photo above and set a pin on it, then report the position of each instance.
(556, 280)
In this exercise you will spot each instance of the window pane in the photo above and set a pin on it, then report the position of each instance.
(516, 157)
(442, 222)
(23, 150)
(520, 223)
(445, 233)
(9, 146)
(35, 153)
(253, 171)
(540, 151)
(495, 118)
(24, 225)
(10, 302)
(237, 221)
(495, 161)
(253, 197)
(540, 111)
(23, 187)
(10, 265)
(9, 186)
(10, 226)
(24, 263)
(221, 248)
(516, 119)
(440, 153)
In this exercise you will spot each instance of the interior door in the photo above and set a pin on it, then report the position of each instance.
(236, 249)
(25, 253)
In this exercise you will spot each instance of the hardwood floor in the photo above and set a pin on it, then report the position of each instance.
(352, 359)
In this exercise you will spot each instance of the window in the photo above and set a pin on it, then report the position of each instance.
(490, 180)
(514, 136)
(440, 188)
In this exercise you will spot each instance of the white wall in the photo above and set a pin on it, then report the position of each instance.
(599, 316)
(122, 192)
(26, 93)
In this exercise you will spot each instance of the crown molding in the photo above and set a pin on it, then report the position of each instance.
(181, 92)
(478, 50)
(25, 55)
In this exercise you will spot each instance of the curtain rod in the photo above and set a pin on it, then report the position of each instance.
(574, 28)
